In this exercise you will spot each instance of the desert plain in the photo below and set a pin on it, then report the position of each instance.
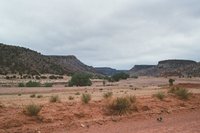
(73, 116)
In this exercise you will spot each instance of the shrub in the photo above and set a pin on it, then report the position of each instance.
(43, 77)
(21, 85)
(80, 79)
(182, 93)
(52, 77)
(54, 99)
(119, 76)
(39, 96)
(120, 105)
(77, 93)
(71, 98)
(107, 95)
(33, 84)
(19, 94)
(159, 95)
(32, 95)
(86, 98)
(48, 84)
(131, 98)
(171, 82)
(32, 109)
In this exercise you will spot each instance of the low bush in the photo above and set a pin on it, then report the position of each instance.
(77, 93)
(32, 95)
(48, 84)
(85, 98)
(32, 109)
(120, 105)
(39, 96)
(54, 99)
(33, 84)
(131, 98)
(71, 98)
(182, 93)
(107, 95)
(21, 85)
(159, 95)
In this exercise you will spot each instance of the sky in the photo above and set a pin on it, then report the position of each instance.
(105, 33)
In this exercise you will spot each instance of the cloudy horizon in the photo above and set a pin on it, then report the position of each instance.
(102, 33)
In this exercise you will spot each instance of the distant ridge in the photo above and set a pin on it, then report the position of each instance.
(172, 67)
(15, 59)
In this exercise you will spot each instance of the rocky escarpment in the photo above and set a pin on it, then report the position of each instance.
(169, 68)
(14, 59)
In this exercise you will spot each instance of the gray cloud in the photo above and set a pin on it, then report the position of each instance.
(115, 33)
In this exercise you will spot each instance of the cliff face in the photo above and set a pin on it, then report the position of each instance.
(15, 59)
(169, 68)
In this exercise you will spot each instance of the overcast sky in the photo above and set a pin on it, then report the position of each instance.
(113, 33)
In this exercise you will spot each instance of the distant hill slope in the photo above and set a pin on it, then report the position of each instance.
(108, 71)
(14, 59)
(169, 68)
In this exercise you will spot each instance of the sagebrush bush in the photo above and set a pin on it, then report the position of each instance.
(32, 109)
(33, 84)
(159, 95)
(85, 98)
(32, 95)
(131, 98)
(122, 105)
(182, 93)
(71, 98)
(39, 96)
(77, 93)
(54, 98)
(107, 95)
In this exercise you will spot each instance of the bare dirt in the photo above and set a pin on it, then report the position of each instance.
(76, 117)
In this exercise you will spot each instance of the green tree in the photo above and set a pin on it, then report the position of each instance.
(80, 79)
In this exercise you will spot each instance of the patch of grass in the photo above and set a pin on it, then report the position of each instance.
(54, 99)
(71, 98)
(120, 105)
(108, 95)
(19, 94)
(159, 95)
(32, 95)
(182, 93)
(131, 98)
(21, 85)
(32, 109)
(33, 84)
(77, 93)
(85, 98)
(39, 96)
(48, 85)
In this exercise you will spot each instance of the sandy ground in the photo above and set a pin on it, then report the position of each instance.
(178, 122)
(73, 116)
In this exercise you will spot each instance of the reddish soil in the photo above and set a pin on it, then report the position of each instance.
(77, 117)
(188, 85)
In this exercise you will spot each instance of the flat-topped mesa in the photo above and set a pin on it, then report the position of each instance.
(175, 63)
(141, 67)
